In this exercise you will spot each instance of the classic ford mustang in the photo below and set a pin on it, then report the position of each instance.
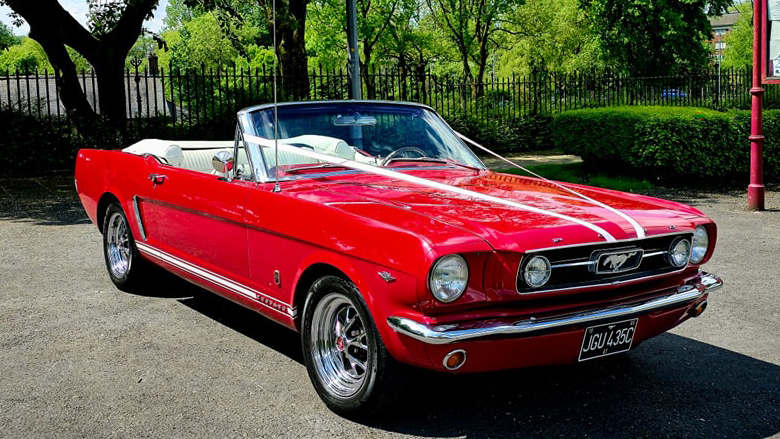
(373, 230)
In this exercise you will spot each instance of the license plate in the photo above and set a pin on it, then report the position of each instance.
(603, 340)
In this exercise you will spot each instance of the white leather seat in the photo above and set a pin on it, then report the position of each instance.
(323, 144)
(167, 151)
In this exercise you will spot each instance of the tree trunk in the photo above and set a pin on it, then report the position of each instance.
(370, 81)
(479, 82)
(73, 98)
(111, 89)
(402, 76)
(291, 45)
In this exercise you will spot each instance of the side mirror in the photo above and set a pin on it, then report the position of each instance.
(222, 162)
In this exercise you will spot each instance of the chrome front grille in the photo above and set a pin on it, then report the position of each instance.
(597, 264)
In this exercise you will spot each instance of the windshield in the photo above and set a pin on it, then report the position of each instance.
(374, 134)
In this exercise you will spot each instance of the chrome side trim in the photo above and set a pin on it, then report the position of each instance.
(430, 334)
(221, 281)
(137, 210)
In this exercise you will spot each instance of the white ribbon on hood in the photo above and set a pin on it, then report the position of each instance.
(266, 143)
(640, 231)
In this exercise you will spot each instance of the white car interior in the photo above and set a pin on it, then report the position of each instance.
(198, 155)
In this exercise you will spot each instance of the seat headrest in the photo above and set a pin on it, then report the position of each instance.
(174, 155)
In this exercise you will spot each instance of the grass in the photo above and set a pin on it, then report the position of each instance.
(577, 173)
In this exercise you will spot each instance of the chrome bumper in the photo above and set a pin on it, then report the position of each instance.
(444, 334)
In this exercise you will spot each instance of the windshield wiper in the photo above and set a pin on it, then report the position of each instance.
(307, 168)
(447, 161)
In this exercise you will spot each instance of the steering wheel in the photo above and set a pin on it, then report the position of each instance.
(400, 151)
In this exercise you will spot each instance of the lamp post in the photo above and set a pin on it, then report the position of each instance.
(756, 186)
(353, 55)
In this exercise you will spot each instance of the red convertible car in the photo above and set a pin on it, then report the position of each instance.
(373, 230)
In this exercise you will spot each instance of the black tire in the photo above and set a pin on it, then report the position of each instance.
(123, 262)
(346, 388)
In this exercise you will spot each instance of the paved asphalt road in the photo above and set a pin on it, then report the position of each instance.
(78, 358)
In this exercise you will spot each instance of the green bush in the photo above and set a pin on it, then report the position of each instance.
(505, 135)
(668, 143)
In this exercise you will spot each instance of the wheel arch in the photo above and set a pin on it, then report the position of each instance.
(307, 279)
(100, 212)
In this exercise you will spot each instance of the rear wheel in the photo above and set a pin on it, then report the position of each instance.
(123, 262)
(344, 355)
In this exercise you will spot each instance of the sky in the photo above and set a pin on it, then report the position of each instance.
(78, 9)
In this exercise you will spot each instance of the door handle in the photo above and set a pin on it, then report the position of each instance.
(157, 178)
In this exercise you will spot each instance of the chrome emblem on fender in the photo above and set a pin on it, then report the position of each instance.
(616, 261)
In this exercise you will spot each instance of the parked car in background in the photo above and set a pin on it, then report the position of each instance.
(373, 230)
(673, 93)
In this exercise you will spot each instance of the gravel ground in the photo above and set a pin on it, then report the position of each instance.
(78, 358)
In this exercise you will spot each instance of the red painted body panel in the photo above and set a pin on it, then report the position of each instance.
(231, 237)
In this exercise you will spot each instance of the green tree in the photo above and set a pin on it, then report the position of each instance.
(549, 35)
(326, 38)
(7, 37)
(203, 44)
(114, 28)
(28, 56)
(178, 12)
(471, 26)
(653, 37)
(410, 41)
(738, 53)
(378, 25)
(289, 19)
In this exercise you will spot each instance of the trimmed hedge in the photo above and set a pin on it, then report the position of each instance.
(665, 143)
(530, 133)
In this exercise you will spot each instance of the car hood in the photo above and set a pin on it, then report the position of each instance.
(415, 207)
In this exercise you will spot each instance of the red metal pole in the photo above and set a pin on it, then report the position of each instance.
(756, 186)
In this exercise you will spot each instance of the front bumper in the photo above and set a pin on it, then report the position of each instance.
(447, 334)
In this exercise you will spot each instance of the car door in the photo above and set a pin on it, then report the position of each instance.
(199, 217)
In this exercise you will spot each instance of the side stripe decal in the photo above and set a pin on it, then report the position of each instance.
(218, 280)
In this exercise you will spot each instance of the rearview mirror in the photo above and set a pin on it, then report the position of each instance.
(354, 120)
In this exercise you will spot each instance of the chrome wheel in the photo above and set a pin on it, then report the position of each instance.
(339, 346)
(118, 251)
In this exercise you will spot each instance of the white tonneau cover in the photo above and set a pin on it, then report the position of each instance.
(172, 151)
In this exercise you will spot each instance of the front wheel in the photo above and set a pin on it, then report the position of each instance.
(347, 362)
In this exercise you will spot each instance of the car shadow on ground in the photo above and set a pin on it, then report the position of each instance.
(50, 200)
(49, 211)
(669, 387)
(244, 321)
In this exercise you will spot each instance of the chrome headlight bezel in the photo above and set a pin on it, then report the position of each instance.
(675, 257)
(533, 262)
(700, 244)
(448, 290)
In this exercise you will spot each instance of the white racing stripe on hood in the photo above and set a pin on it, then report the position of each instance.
(266, 143)
(640, 231)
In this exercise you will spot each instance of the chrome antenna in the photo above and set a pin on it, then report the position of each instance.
(277, 188)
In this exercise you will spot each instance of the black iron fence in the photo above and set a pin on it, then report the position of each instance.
(184, 99)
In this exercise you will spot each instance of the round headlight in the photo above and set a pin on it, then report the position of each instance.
(449, 278)
(680, 252)
(537, 271)
(701, 242)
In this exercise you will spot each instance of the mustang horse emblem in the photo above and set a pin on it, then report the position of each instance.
(616, 261)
